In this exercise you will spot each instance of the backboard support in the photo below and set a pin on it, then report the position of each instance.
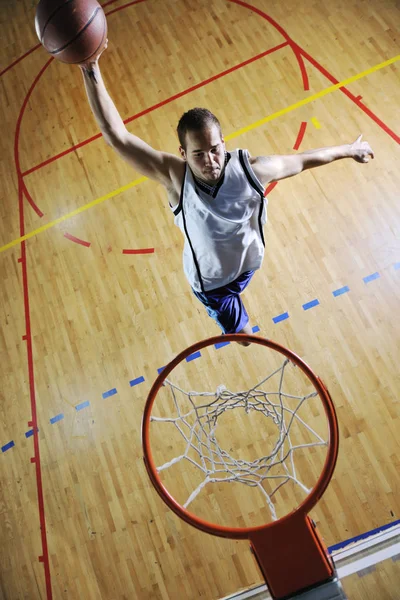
(357, 556)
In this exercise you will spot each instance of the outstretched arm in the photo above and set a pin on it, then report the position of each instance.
(274, 168)
(160, 166)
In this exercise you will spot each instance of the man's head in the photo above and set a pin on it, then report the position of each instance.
(202, 144)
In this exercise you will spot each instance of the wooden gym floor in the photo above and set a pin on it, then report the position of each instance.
(83, 320)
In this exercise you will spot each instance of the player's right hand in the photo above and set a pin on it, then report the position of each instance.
(88, 65)
(361, 151)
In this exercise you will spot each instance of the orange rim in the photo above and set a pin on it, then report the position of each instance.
(320, 486)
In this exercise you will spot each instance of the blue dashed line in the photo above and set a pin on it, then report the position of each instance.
(341, 291)
(281, 317)
(136, 381)
(7, 446)
(82, 405)
(221, 345)
(371, 277)
(109, 393)
(193, 356)
(56, 418)
(310, 304)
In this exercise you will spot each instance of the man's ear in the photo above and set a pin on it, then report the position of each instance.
(182, 152)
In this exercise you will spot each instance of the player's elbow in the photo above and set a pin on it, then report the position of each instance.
(114, 136)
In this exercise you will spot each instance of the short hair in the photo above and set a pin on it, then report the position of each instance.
(195, 119)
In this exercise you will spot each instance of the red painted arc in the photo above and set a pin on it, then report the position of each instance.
(300, 135)
(76, 240)
(156, 106)
(296, 49)
(30, 199)
(355, 99)
(319, 488)
(138, 251)
(20, 58)
(22, 190)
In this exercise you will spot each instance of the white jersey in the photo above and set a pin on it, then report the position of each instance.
(223, 231)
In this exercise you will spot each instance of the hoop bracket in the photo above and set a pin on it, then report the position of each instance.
(306, 558)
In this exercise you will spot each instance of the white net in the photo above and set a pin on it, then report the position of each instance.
(196, 417)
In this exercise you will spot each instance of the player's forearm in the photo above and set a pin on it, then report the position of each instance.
(324, 156)
(104, 110)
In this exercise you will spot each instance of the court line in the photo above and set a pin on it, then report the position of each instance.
(353, 98)
(72, 238)
(75, 212)
(140, 379)
(19, 59)
(138, 251)
(231, 136)
(321, 94)
(300, 135)
(44, 557)
(158, 105)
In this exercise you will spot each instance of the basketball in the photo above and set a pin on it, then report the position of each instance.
(72, 31)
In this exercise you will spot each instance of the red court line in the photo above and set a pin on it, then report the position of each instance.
(300, 135)
(270, 187)
(36, 457)
(76, 240)
(299, 139)
(122, 7)
(293, 45)
(352, 97)
(158, 105)
(21, 184)
(300, 52)
(141, 251)
(19, 59)
(44, 558)
(31, 200)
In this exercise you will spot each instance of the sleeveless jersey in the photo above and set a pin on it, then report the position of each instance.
(223, 231)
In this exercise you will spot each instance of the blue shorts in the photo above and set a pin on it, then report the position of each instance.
(225, 304)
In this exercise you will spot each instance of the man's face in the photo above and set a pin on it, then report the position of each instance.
(205, 153)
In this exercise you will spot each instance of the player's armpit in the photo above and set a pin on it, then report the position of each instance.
(159, 166)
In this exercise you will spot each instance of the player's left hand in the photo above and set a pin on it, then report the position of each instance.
(361, 151)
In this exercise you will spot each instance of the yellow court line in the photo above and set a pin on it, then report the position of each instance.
(309, 99)
(74, 212)
(231, 136)
(315, 122)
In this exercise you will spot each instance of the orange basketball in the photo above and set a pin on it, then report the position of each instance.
(73, 31)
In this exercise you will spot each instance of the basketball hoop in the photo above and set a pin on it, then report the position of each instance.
(289, 551)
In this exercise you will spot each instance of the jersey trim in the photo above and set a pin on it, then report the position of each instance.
(179, 209)
(256, 185)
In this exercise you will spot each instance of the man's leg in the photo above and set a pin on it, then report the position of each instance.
(246, 329)
(225, 306)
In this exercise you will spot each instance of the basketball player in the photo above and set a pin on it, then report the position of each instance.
(216, 196)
